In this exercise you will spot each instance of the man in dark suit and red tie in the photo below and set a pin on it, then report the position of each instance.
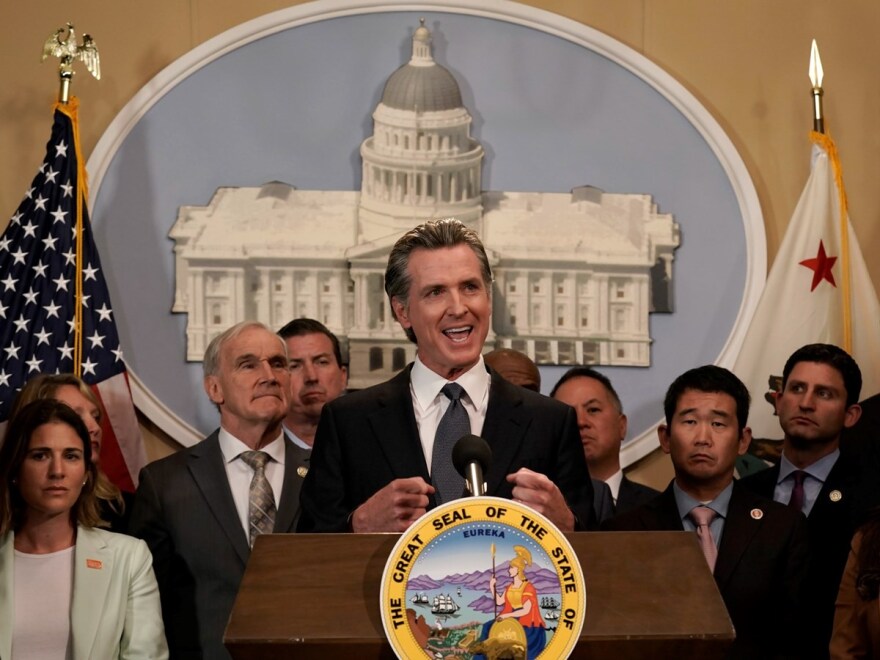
(821, 384)
(382, 456)
(756, 548)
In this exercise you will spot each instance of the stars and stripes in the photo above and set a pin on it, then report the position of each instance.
(38, 301)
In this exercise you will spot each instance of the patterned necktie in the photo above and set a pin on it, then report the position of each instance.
(797, 492)
(261, 500)
(702, 516)
(454, 424)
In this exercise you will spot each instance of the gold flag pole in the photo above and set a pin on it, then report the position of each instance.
(65, 48)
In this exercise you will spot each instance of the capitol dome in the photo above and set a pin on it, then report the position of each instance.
(422, 85)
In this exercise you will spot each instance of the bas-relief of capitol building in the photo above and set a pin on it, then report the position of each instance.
(576, 275)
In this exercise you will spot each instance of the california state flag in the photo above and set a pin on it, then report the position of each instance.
(818, 290)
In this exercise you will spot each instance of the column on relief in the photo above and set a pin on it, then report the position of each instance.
(639, 307)
(239, 298)
(198, 314)
(388, 327)
(316, 294)
(261, 299)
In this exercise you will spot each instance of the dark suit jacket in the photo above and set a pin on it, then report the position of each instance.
(760, 568)
(830, 527)
(367, 439)
(632, 495)
(184, 510)
(299, 465)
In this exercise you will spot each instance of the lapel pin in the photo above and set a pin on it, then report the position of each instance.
(835, 496)
(94, 563)
(757, 514)
(302, 471)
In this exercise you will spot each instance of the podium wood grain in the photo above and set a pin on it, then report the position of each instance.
(649, 595)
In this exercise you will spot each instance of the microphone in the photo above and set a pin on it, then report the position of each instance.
(471, 456)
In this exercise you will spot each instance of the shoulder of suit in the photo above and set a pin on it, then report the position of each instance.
(637, 487)
(369, 396)
(763, 482)
(528, 398)
(177, 462)
(117, 542)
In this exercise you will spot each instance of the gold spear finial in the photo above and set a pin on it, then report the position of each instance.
(816, 75)
(66, 49)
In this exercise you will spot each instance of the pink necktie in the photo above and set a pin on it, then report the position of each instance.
(702, 516)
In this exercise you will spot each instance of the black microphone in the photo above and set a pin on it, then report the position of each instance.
(471, 456)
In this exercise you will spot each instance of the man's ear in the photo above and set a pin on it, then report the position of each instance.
(663, 435)
(400, 312)
(213, 389)
(344, 378)
(745, 439)
(852, 415)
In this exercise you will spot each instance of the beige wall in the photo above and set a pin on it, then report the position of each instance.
(745, 60)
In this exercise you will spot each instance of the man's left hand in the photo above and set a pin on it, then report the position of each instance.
(538, 492)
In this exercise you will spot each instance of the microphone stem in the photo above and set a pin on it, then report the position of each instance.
(475, 479)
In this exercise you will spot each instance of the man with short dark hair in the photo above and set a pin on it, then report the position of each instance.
(317, 377)
(382, 456)
(602, 425)
(821, 384)
(519, 369)
(200, 509)
(755, 548)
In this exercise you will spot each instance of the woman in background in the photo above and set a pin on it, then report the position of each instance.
(67, 589)
(67, 388)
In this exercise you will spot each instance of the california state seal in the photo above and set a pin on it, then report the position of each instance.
(483, 577)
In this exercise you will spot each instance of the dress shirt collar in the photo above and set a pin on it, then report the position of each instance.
(686, 503)
(426, 384)
(818, 470)
(231, 447)
(614, 482)
(295, 439)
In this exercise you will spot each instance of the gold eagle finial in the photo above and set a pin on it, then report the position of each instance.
(65, 47)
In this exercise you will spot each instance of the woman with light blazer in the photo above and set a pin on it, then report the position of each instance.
(67, 589)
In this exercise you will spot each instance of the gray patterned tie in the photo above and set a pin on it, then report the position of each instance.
(261, 500)
(453, 425)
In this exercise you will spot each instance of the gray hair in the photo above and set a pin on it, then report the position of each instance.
(211, 362)
(431, 235)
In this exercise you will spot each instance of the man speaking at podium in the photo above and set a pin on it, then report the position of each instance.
(382, 456)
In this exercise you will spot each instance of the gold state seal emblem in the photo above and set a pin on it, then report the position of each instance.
(483, 577)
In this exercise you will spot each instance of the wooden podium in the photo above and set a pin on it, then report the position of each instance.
(649, 595)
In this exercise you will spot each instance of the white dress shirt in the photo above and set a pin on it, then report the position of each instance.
(429, 403)
(240, 473)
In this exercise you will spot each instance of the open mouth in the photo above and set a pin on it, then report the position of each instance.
(459, 335)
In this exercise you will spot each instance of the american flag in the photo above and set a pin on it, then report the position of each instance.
(38, 293)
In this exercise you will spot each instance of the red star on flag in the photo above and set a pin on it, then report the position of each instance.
(821, 266)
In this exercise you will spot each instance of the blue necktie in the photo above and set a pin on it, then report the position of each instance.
(454, 424)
